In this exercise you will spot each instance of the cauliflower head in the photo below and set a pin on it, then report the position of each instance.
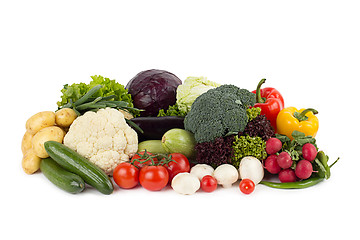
(103, 137)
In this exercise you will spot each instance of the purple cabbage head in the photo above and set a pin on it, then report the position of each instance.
(153, 90)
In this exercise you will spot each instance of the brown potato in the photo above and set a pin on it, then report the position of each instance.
(52, 133)
(30, 162)
(39, 121)
(65, 117)
(26, 142)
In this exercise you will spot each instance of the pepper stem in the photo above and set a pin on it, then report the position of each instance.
(260, 99)
(302, 116)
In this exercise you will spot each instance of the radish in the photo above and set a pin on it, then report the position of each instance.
(284, 160)
(273, 145)
(309, 151)
(303, 169)
(271, 164)
(287, 175)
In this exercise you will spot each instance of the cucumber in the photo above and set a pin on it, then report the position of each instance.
(75, 163)
(153, 146)
(63, 179)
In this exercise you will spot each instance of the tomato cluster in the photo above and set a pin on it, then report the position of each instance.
(152, 171)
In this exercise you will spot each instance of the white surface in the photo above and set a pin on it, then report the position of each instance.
(308, 50)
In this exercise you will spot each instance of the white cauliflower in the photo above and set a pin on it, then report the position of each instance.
(103, 137)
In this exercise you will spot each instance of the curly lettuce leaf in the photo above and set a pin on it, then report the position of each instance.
(248, 146)
(173, 110)
(252, 113)
(74, 92)
(110, 87)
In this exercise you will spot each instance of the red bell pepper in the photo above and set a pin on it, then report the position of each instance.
(270, 101)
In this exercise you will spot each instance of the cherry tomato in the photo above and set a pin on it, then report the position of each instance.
(179, 165)
(208, 183)
(153, 178)
(126, 175)
(247, 186)
(142, 159)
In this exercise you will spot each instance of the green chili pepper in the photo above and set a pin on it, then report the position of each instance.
(324, 161)
(294, 185)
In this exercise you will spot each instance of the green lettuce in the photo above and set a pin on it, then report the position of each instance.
(244, 146)
(173, 110)
(74, 92)
(190, 90)
(110, 87)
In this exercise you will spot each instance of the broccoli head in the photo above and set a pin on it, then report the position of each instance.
(219, 112)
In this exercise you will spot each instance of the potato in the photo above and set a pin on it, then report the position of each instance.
(65, 117)
(26, 142)
(30, 162)
(52, 133)
(39, 121)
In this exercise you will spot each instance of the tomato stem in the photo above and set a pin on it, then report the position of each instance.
(165, 159)
(145, 157)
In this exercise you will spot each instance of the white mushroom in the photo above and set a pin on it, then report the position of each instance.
(226, 175)
(185, 183)
(251, 168)
(201, 170)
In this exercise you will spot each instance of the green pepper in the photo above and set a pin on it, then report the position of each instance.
(324, 161)
(294, 185)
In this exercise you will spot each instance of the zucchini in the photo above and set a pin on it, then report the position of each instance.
(63, 179)
(153, 146)
(75, 163)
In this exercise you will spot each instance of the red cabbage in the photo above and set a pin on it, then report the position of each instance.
(152, 90)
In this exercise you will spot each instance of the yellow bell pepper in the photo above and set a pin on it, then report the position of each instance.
(303, 120)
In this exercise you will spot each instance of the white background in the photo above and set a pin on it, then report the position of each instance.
(308, 50)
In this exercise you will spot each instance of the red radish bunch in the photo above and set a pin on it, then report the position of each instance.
(280, 162)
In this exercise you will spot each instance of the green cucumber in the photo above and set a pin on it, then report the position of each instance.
(63, 179)
(75, 163)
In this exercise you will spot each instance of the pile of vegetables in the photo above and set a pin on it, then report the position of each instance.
(159, 132)
(297, 162)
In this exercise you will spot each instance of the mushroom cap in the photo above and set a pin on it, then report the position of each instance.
(226, 174)
(185, 183)
(201, 170)
(251, 168)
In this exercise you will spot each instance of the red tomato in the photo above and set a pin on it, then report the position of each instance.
(208, 183)
(126, 175)
(247, 186)
(141, 159)
(153, 178)
(179, 165)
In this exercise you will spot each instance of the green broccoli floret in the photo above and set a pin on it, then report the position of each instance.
(219, 112)
(243, 96)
